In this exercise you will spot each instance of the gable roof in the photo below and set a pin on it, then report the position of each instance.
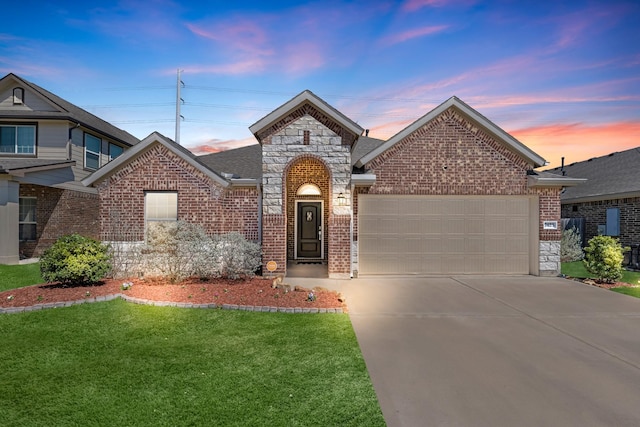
(243, 162)
(509, 141)
(65, 111)
(297, 101)
(616, 175)
(363, 146)
(154, 138)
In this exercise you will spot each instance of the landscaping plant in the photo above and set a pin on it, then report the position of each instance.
(571, 246)
(603, 258)
(75, 259)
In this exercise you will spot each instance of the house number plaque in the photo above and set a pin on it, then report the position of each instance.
(550, 225)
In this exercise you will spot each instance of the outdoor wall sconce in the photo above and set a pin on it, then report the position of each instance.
(342, 201)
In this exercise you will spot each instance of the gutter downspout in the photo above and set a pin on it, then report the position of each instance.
(259, 188)
(353, 187)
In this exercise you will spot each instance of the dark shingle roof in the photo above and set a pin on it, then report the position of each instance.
(363, 146)
(67, 111)
(243, 162)
(616, 174)
(9, 165)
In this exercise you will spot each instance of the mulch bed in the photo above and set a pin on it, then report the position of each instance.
(603, 285)
(250, 292)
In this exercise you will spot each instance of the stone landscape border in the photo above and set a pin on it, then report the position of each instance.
(142, 301)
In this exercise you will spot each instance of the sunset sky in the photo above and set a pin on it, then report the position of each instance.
(563, 77)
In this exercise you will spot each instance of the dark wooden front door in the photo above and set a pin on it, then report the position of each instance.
(309, 242)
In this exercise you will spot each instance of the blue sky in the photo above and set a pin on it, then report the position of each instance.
(561, 76)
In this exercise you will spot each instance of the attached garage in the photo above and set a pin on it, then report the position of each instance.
(413, 234)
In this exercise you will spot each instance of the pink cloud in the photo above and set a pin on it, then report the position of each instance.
(217, 145)
(412, 34)
(413, 5)
(577, 141)
(250, 66)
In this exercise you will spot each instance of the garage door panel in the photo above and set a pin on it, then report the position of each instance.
(448, 235)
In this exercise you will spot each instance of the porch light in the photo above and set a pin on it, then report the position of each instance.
(342, 201)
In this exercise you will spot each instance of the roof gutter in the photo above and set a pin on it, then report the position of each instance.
(363, 179)
(535, 181)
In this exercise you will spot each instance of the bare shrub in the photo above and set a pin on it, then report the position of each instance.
(571, 246)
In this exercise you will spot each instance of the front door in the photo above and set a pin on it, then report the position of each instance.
(309, 244)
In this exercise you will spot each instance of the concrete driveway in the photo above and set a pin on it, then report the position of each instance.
(498, 351)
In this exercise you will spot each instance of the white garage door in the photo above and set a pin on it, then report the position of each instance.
(443, 235)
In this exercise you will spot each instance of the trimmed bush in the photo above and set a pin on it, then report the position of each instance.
(75, 259)
(571, 246)
(178, 250)
(603, 258)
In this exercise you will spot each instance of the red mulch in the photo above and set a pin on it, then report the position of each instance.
(604, 285)
(250, 292)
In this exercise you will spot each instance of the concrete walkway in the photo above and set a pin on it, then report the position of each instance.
(498, 351)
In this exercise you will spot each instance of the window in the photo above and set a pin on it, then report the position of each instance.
(18, 139)
(27, 218)
(308, 190)
(114, 151)
(18, 96)
(613, 222)
(91, 151)
(160, 206)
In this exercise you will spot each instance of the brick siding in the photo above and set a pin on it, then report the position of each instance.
(200, 199)
(595, 213)
(58, 213)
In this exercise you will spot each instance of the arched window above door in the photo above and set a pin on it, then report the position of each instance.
(308, 190)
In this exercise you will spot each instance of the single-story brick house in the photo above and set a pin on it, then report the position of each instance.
(609, 200)
(450, 194)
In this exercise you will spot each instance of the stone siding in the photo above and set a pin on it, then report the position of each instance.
(307, 149)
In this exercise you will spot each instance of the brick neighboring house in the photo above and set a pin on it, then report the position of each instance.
(450, 194)
(47, 146)
(609, 200)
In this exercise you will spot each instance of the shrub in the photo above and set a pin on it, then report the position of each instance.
(237, 256)
(603, 258)
(75, 259)
(571, 246)
(180, 249)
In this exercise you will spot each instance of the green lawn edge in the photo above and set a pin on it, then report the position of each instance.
(116, 363)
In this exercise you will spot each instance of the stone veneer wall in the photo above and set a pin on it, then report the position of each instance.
(58, 213)
(451, 155)
(281, 150)
(305, 170)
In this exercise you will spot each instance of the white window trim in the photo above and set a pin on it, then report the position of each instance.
(87, 151)
(34, 222)
(15, 142)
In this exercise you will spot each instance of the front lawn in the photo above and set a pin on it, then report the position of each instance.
(18, 276)
(576, 269)
(634, 292)
(116, 363)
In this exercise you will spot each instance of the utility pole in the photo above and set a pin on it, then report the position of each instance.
(179, 101)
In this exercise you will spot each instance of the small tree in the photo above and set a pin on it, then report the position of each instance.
(571, 246)
(75, 259)
(604, 256)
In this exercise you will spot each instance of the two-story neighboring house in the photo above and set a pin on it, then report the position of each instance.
(47, 146)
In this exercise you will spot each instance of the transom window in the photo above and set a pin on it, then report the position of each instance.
(27, 218)
(309, 190)
(91, 151)
(18, 139)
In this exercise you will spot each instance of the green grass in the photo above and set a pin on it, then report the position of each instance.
(18, 276)
(116, 363)
(577, 269)
(634, 292)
